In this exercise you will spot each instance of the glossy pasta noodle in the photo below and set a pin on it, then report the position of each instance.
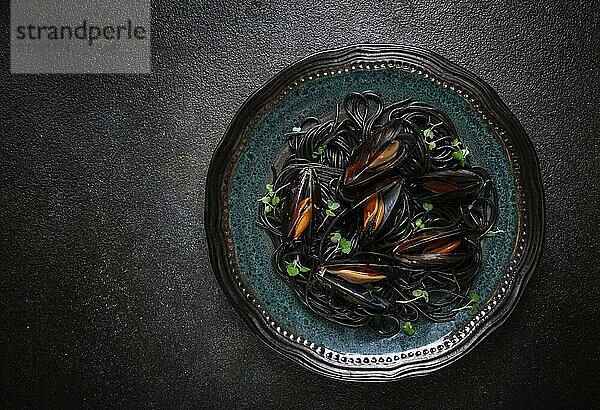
(377, 215)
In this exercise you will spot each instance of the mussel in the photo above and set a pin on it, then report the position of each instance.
(359, 273)
(379, 203)
(379, 153)
(450, 184)
(434, 247)
(302, 204)
(355, 293)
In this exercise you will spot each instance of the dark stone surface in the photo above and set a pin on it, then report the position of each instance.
(107, 293)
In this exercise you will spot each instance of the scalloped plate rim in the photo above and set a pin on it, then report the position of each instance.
(299, 353)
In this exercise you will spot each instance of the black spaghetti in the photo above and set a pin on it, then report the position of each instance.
(377, 215)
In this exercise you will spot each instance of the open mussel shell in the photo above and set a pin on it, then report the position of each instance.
(431, 248)
(378, 154)
(355, 293)
(302, 205)
(376, 205)
(358, 272)
(457, 184)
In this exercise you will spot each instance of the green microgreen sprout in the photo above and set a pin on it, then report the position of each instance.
(418, 224)
(471, 305)
(429, 136)
(271, 199)
(420, 293)
(493, 233)
(427, 206)
(342, 242)
(428, 133)
(345, 244)
(320, 151)
(331, 206)
(470, 206)
(456, 142)
(294, 267)
(370, 289)
(408, 328)
(461, 156)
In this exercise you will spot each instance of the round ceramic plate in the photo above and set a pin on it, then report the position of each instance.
(241, 252)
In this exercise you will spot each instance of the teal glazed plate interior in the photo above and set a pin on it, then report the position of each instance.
(241, 251)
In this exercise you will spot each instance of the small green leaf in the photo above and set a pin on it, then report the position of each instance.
(332, 205)
(493, 233)
(461, 156)
(474, 297)
(419, 224)
(320, 151)
(292, 270)
(408, 328)
(427, 206)
(419, 293)
(268, 208)
(472, 311)
(431, 145)
(456, 142)
(296, 129)
(470, 206)
(345, 244)
(270, 189)
(335, 238)
(377, 289)
(368, 286)
(329, 213)
(304, 269)
(428, 133)
(275, 200)
(265, 199)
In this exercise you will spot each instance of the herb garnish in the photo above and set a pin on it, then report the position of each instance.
(493, 233)
(418, 224)
(331, 206)
(420, 293)
(427, 206)
(428, 133)
(461, 156)
(320, 151)
(270, 200)
(342, 242)
(295, 267)
(474, 298)
(408, 328)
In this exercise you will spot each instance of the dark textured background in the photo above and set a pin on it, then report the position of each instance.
(108, 297)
